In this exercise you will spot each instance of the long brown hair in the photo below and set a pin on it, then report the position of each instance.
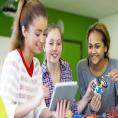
(26, 12)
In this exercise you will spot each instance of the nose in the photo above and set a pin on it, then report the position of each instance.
(93, 50)
(42, 40)
(54, 47)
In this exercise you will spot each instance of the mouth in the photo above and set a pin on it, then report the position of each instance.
(94, 57)
(40, 48)
(54, 55)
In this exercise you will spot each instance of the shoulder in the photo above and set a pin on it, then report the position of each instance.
(82, 63)
(12, 56)
(64, 64)
(113, 62)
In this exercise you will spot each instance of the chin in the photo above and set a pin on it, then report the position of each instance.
(38, 51)
(54, 60)
(94, 62)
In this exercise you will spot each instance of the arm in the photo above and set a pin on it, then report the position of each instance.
(84, 108)
(86, 98)
(114, 75)
(61, 110)
(23, 109)
(85, 95)
(9, 86)
(73, 104)
(10, 91)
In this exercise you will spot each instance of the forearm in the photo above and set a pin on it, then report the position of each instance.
(82, 104)
(46, 113)
(23, 109)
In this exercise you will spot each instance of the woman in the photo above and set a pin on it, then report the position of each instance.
(21, 87)
(54, 69)
(98, 65)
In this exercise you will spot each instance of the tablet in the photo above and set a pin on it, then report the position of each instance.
(63, 90)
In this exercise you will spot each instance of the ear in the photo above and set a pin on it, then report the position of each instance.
(24, 31)
(105, 49)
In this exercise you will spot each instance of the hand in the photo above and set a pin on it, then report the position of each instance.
(89, 93)
(95, 103)
(39, 96)
(114, 75)
(62, 109)
(45, 91)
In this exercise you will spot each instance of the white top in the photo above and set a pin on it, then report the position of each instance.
(17, 86)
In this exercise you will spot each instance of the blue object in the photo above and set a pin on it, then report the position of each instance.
(77, 116)
(98, 89)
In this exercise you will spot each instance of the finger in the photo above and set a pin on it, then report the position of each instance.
(97, 102)
(112, 73)
(68, 106)
(96, 98)
(60, 109)
(63, 108)
(115, 77)
(57, 110)
(97, 107)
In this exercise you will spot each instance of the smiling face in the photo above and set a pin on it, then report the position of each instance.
(34, 40)
(53, 46)
(96, 48)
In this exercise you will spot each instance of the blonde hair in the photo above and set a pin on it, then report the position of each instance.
(26, 12)
(54, 26)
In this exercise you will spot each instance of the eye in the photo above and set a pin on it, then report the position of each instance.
(97, 46)
(51, 43)
(90, 46)
(59, 43)
(37, 34)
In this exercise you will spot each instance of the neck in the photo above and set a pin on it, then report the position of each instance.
(28, 56)
(53, 67)
(100, 68)
(54, 70)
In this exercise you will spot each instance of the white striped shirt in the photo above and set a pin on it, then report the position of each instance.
(17, 86)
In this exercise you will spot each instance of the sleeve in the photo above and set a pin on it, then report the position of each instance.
(116, 83)
(116, 87)
(82, 87)
(43, 105)
(74, 107)
(70, 78)
(81, 83)
(9, 86)
(40, 109)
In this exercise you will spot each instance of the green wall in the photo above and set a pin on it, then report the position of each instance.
(5, 25)
(75, 28)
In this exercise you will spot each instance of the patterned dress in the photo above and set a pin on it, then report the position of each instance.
(64, 77)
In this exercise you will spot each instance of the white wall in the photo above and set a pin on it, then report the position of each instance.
(4, 48)
(112, 25)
